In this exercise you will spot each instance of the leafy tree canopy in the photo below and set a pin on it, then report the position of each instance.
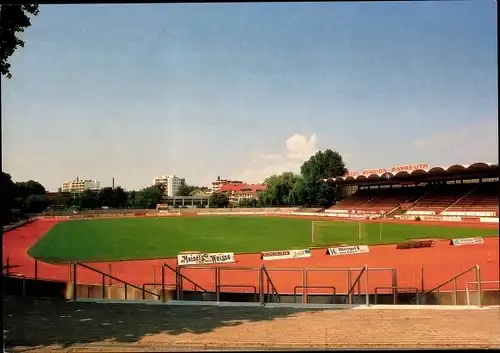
(14, 19)
(219, 200)
(322, 165)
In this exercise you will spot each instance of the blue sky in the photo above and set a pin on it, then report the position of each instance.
(247, 90)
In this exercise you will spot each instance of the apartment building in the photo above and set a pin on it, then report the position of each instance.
(241, 191)
(172, 184)
(77, 186)
(216, 185)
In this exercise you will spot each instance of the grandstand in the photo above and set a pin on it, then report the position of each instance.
(417, 189)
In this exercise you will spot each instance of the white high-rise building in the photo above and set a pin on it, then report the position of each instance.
(172, 184)
(80, 185)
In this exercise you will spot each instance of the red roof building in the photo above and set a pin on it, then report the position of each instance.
(241, 191)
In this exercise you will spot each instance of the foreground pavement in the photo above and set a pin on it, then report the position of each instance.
(41, 325)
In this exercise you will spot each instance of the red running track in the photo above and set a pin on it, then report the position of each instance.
(439, 263)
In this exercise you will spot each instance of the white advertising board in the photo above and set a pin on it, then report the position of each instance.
(348, 250)
(205, 259)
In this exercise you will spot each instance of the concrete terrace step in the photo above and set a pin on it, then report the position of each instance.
(60, 325)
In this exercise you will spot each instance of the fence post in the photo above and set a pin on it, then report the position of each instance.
(478, 279)
(163, 283)
(217, 283)
(74, 281)
(103, 286)
(422, 278)
(304, 283)
(261, 287)
(36, 269)
(394, 286)
(349, 298)
(367, 288)
(181, 281)
(455, 291)
(8, 266)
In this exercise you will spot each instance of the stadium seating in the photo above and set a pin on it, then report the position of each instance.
(448, 200)
(352, 202)
(483, 198)
(439, 198)
(377, 200)
(309, 209)
(388, 199)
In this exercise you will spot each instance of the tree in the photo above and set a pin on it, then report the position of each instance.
(8, 196)
(88, 199)
(322, 165)
(219, 200)
(247, 203)
(148, 197)
(30, 187)
(105, 197)
(280, 190)
(13, 19)
(59, 199)
(185, 189)
(36, 203)
(119, 197)
(131, 199)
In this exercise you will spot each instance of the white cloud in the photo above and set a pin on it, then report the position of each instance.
(299, 148)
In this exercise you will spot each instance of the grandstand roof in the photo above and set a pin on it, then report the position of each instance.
(412, 171)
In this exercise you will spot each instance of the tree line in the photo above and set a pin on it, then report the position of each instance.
(20, 199)
(287, 189)
(304, 189)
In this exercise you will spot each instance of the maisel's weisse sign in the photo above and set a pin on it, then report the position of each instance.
(205, 259)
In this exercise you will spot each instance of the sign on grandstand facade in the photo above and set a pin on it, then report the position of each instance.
(348, 250)
(205, 258)
(392, 170)
(285, 254)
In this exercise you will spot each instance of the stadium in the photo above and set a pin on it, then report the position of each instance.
(408, 235)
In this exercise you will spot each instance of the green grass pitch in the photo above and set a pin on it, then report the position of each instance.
(150, 238)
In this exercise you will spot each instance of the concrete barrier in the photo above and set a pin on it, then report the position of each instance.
(96, 291)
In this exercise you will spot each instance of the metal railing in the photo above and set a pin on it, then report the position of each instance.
(156, 284)
(395, 289)
(179, 278)
(103, 283)
(270, 285)
(219, 285)
(334, 293)
(353, 285)
(467, 289)
(267, 289)
(474, 268)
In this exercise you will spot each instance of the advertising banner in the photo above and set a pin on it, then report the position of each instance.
(205, 259)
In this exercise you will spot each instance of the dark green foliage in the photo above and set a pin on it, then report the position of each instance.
(13, 20)
(219, 200)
